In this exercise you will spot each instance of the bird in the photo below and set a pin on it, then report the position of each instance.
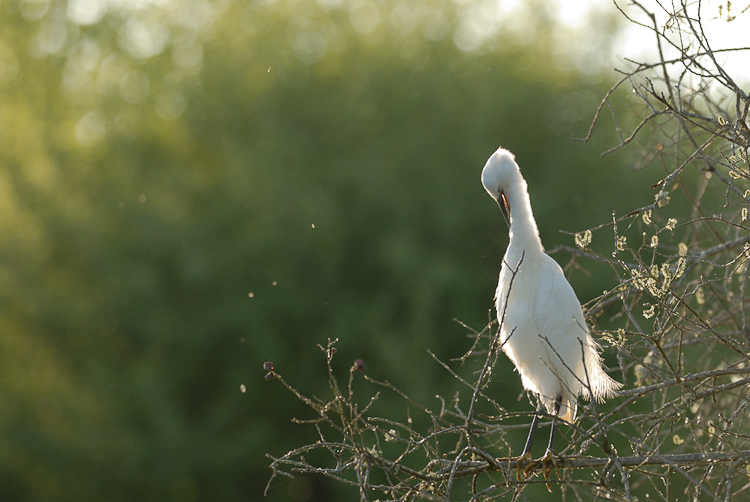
(542, 327)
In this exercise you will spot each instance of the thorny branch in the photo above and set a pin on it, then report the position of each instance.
(676, 319)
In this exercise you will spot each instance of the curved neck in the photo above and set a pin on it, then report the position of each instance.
(523, 230)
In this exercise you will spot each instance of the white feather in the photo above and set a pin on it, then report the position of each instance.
(542, 328)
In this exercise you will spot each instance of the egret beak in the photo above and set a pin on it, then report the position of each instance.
(502, 201)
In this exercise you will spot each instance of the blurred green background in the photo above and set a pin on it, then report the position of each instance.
(189, 189)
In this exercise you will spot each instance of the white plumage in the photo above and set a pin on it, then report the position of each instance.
(540, 303)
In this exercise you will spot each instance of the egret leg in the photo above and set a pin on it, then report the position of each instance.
(532, 433)
(526, 455)
(548, 457)
(553, 429)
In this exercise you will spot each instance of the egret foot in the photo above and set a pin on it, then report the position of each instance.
(525, 457)
(545, 461)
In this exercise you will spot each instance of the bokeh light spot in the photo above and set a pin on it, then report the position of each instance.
(86, 12)
(143, 39)
(90, 129)
(170, 104)
(364, 16)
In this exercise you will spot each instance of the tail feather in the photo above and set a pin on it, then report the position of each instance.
(599, 385)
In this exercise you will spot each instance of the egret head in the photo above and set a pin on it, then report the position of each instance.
(499, 173)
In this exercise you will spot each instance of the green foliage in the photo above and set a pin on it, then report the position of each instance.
(189, 190)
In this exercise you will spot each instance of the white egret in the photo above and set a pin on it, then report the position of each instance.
(542, 329)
